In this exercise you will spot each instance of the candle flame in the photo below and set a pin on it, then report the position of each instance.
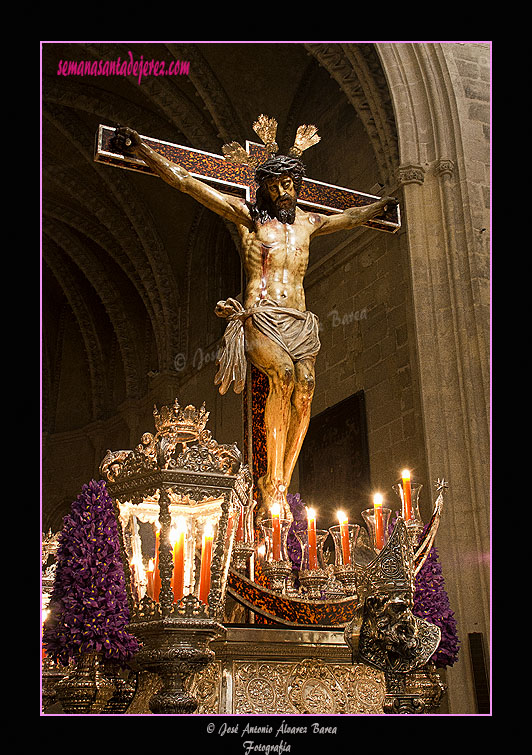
(276, 509)
(178, 529)
(342, 517)
(208, 532)
(311, 513)
(377, 499)
(405, 474)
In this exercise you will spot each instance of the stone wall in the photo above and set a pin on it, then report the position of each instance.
(361, 293)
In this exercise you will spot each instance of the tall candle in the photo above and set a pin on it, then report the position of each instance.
(379, 530)
(149, 575)
(178, 553)
(206, 557)
(276, 526)
(312, 549)
(344, 537)
(156, 573)
(407, 495)
(239, 535)
(44, 616)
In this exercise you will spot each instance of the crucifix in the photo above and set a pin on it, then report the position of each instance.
(277, 211)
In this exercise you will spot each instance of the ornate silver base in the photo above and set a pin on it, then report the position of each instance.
(86, 689)
(313, 580)
(175, 649)
(241, 553)
(419, 692)
(260, 671)
(347, 575)
(278, 572)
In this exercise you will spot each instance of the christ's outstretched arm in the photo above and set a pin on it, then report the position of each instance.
(352, 217)
(233, 209)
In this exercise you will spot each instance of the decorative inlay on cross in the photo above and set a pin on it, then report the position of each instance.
(239, 180)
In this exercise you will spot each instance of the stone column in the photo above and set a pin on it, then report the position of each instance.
(451, 328)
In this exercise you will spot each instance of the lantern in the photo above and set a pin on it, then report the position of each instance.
(179, 509)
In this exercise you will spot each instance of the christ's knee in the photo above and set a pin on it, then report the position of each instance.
(304, 387)
(282, 379)
(305, 383)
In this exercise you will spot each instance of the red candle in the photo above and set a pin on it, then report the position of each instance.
(407, 495)
(344, 537)
(379, 529)
(156, 573)
(178, 552)
(312, 549)
(205, 573)
(276, 526)
(239, 535)
(149, 575)
(44, 617)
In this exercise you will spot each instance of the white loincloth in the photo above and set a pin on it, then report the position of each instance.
(294, 331)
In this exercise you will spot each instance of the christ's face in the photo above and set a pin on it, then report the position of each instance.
(282, 191)
(283, 196)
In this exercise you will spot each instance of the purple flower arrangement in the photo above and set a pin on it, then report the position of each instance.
(299, 524)
(88, 605)
(431, 602)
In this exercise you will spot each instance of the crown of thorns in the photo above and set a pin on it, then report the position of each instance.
(266, 128)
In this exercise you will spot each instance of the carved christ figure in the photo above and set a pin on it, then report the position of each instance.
(273, 328)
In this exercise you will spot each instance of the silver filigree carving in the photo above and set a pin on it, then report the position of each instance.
(206, 688)
(387, 635)
(314, 688)
(174, 426)
(309, 686)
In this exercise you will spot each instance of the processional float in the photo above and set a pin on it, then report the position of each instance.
(185, 506)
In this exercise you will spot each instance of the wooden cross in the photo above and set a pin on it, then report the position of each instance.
(239, 180)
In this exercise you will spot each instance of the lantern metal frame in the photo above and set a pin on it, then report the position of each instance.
(175, 636)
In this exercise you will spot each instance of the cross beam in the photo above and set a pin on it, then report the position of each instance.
(239, 180)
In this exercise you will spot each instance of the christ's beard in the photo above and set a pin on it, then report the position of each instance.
(286, 212)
